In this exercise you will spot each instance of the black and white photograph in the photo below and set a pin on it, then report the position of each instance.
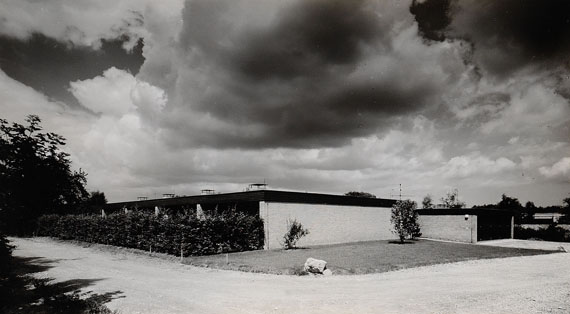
(284, 156)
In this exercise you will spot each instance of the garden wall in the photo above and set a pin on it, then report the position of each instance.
(327, 224)
(449, 227)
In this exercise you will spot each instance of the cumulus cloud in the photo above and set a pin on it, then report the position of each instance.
(325, 96)
(299, 73)
(506, 35)
(470, 165)
(560, 169)
(47, 44)
(78, 22)
(117, 93)
(533, 108)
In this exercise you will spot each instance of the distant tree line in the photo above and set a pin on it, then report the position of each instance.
(450, 200)
(360, 194)
(523, 214)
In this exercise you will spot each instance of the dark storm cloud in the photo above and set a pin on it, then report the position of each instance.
(432, 17)
(506, 34)
(48, 65)
(308, 37)
(302, 75)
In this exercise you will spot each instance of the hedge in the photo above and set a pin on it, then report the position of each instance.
(230, 231)
(552, 233)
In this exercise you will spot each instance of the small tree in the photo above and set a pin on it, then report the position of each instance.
(451, 200)
(405, 220)
(427, 203)
(295, 231)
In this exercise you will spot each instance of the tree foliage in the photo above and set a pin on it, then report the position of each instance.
(404, 220)
(35, 176)
(427, 202)
(295, 232)
(360, 194)
(97, 198)
(229, 231)
(451, 200)
(510, 203)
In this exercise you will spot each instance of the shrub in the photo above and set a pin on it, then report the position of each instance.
(295, 231)
(229, 231)
(552, 233)
(405, 220)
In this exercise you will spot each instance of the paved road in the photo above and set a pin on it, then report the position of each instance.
(531, 284)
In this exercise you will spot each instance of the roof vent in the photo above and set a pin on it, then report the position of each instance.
(256, 186)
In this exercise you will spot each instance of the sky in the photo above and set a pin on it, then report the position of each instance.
(323, 96)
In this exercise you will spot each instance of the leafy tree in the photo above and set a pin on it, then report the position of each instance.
(295, 232)
(93, 203)
(427, 203)
(35, 176)
(451, 200)
(529, 211)
(404, 220)
(511, 203)
(97, 198)
(360, 194)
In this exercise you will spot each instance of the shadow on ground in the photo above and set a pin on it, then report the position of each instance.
(398, 242)
(22, 292)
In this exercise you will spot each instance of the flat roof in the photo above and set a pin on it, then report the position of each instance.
(258, 196)
(464, 211)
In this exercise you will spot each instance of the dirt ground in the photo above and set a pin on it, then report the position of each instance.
(529, 284)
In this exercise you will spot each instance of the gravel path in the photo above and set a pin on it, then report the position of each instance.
(530, 284)
(528, 244)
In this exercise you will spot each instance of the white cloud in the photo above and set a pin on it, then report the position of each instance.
(560, 169)
(81, 22)
(142, 142)
(117, 93)
(533, 109)
(475, 165)
(106, 94)
(18, 101)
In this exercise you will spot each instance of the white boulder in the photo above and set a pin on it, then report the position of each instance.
(315, 266)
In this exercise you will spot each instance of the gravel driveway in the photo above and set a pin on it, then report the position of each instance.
(530, 284)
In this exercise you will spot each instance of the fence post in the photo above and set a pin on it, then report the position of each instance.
(181, 249)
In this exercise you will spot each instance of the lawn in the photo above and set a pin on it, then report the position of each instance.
(357, 258)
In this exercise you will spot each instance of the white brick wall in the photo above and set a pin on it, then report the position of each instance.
(449, 227)
(327, 224)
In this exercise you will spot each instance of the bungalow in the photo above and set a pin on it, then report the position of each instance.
(329, 218)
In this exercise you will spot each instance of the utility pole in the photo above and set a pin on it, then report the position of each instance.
(399, 193)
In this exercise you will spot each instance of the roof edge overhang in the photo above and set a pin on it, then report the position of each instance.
(258, 196)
